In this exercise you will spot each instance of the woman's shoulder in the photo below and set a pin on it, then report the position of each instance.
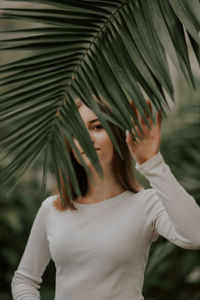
(145, 197)
(47, 203)
(145, 192)
(150, 200)
(147, 201)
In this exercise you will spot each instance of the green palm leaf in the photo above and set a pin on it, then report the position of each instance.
(114, 49)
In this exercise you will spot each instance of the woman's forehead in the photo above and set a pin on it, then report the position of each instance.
(86, 113)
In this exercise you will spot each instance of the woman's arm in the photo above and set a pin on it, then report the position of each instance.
(27, 278)
(176, 214)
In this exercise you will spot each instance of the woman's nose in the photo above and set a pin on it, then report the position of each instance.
(92, 138)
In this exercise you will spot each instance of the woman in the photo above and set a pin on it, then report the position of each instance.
(100, 243)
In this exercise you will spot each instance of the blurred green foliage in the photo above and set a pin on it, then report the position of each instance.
(173, 272)
(16, 217)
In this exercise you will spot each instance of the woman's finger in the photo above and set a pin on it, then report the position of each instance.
(159, 119)
(147, 114)
(150, 105)
(137, 133)
(137, 137)
(135, 120)
(149, 119)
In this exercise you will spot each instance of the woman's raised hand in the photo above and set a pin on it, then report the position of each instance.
(147, 144)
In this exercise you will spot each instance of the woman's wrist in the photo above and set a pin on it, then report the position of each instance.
(146, 159)
(140, 162)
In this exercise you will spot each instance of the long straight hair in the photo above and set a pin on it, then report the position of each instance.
(122, 168)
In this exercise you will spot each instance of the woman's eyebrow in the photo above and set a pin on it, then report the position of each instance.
(92, 121)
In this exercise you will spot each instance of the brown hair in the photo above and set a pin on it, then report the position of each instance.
(122, 167)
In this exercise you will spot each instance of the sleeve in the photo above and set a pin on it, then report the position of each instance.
(27, 278)
(175, 213)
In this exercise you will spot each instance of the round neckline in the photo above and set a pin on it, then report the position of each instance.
(102, 203)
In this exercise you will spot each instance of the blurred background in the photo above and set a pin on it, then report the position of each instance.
(172, 273)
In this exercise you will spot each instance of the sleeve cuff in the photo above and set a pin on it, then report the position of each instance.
(151, 163)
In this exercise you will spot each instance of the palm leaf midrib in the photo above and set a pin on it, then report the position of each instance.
(85, 54)
(106, 17)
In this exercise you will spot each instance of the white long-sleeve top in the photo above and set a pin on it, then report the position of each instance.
(101, 250)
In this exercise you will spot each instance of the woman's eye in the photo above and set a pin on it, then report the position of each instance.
(97, 127)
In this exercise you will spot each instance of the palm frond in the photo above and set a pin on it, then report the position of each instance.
(112, 49)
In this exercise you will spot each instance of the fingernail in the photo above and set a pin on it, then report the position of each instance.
(127, 133)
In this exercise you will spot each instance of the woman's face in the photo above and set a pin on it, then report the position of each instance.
(99, 137)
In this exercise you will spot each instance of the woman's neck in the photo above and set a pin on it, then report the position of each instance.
(103, 189)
